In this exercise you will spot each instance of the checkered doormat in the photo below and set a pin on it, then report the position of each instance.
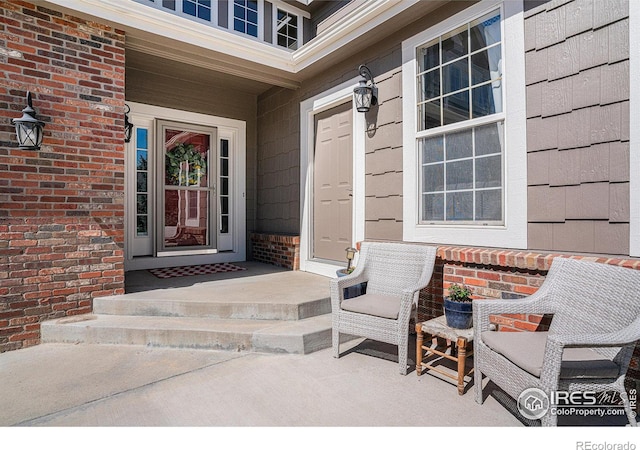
(203, 269)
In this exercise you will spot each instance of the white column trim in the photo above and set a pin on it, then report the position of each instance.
(634, 132)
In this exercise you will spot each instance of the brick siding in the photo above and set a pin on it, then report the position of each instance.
(61, 207)
(276, 249)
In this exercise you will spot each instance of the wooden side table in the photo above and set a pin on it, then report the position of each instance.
(455, 351)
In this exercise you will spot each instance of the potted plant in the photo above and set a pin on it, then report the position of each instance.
(458, 309)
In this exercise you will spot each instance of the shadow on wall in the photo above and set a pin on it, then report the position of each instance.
(371, 118)
(530, 4)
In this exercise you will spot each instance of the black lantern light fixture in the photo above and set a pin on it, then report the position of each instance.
(366, 94)
(351, 253)
(128, 126)
(28, 128)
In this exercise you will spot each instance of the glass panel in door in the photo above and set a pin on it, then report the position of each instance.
(188, 200)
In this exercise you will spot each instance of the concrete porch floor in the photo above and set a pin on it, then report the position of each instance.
(61, 385)
(143, 280)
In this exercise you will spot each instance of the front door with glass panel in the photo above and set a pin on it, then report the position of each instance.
(186, 174)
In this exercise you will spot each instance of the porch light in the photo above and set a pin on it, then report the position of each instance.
(128, 126)
(28, 128)
(351, 252)
(366, 94)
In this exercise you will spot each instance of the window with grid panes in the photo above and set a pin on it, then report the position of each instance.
(460, 126)
(245, 17)
(287, 30)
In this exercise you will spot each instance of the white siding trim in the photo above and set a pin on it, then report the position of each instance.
(308, 109)
(634, 132)
(513, 234)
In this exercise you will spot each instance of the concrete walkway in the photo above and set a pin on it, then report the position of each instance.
(88, 385)
(105, 385)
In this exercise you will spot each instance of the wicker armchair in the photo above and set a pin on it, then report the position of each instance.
(395, 274)
(595, 325)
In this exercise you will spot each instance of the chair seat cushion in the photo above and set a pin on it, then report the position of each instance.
(374, 305)
(526, 350)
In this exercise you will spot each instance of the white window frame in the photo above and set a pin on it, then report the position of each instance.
(513, 232)
(178, 12)
(634, 133)
(279, 6)
(260, 36)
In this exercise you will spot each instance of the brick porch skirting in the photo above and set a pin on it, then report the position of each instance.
(277, 249)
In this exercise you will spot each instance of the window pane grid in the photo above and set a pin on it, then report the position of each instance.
(287, 30)
(197, 8)
(455, 71)
(245, 17)
(224, 183)
(142, 188)
(461, 176)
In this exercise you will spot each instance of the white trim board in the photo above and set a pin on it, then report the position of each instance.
(308, 109)
(634, 131)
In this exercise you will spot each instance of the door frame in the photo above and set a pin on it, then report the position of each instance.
(230, 250)
(328, 99)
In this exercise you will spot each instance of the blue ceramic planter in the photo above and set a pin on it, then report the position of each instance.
(458, 314)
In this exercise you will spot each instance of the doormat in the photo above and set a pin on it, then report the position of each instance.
(204, 269)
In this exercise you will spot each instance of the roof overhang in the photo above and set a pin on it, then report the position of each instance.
(166, 35)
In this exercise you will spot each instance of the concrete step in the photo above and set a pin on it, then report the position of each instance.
(155, 304)
(269, 336)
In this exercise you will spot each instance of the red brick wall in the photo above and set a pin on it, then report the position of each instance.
(61, 207)
(276, 249)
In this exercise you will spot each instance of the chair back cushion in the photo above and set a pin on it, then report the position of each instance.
(390, 267)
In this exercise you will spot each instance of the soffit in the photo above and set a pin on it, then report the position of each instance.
(152, 64)
(377, 30)
(206, 58)
(173, 38)
(165, 35)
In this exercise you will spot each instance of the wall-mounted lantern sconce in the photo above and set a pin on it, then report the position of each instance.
(28, 128)
(366, 94)
(128, 126)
